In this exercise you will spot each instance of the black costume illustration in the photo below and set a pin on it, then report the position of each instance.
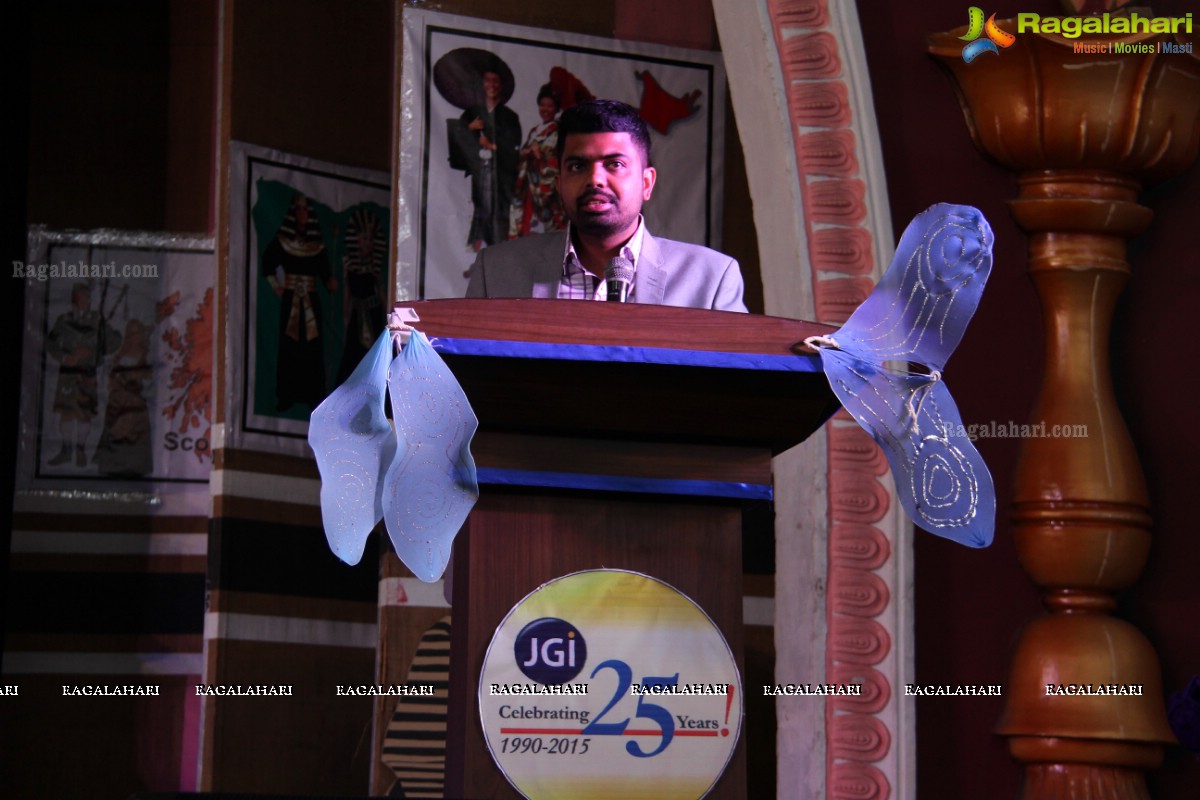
(125, 446)
(293, 263)
(79, 341)
(365, 270)
(493, 171)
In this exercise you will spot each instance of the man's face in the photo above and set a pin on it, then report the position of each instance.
(300, 214)
(603, 182)
(491, 87)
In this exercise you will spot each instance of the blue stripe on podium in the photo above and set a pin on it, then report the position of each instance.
(619, 483)
(627, 355)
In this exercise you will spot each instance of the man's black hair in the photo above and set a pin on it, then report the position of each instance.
(605, 116)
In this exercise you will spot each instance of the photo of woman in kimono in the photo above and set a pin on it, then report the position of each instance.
(536, 205)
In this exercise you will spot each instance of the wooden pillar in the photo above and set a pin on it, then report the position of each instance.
(1084, 133)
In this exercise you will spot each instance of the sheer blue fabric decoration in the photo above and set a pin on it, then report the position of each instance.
(417, 475)
(917, 315)
(354, 444)
(431, 485)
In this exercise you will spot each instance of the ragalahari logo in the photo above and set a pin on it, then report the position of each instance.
(996, 38)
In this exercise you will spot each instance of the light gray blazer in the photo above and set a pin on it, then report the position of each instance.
(669, 273)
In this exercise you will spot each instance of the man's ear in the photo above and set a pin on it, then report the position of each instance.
(649, 175)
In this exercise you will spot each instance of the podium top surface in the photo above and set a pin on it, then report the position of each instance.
(642, 372)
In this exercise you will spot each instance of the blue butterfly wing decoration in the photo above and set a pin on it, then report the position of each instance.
(917, 315)
(432, 484)
(350, 434)
(417, 475)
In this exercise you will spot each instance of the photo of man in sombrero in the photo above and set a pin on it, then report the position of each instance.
(485, 140)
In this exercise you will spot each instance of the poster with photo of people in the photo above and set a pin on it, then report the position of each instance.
(118, 361)
(479, 132)
(309, 286)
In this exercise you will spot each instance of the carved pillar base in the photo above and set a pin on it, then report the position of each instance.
(1084, 782)
(1083, 132)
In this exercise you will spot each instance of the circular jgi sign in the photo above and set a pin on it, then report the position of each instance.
(609, 683)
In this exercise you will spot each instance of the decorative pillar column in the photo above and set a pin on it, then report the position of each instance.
(1084, 132)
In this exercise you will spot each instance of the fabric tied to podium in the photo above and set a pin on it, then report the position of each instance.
(917, 314)
(415, 472)
(431, 484)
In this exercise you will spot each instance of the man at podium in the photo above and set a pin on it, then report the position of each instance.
(607, 253)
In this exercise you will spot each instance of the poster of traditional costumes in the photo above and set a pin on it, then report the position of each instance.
(117, 361)
(309, 288)
(480, 101)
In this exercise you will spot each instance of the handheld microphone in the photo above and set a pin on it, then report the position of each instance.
(618, 276)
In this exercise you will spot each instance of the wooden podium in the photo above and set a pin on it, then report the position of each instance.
(614, 436)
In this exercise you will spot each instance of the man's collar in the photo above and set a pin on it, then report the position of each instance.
(632, 249)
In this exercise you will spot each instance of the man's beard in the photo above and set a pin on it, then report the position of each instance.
(606, 223)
